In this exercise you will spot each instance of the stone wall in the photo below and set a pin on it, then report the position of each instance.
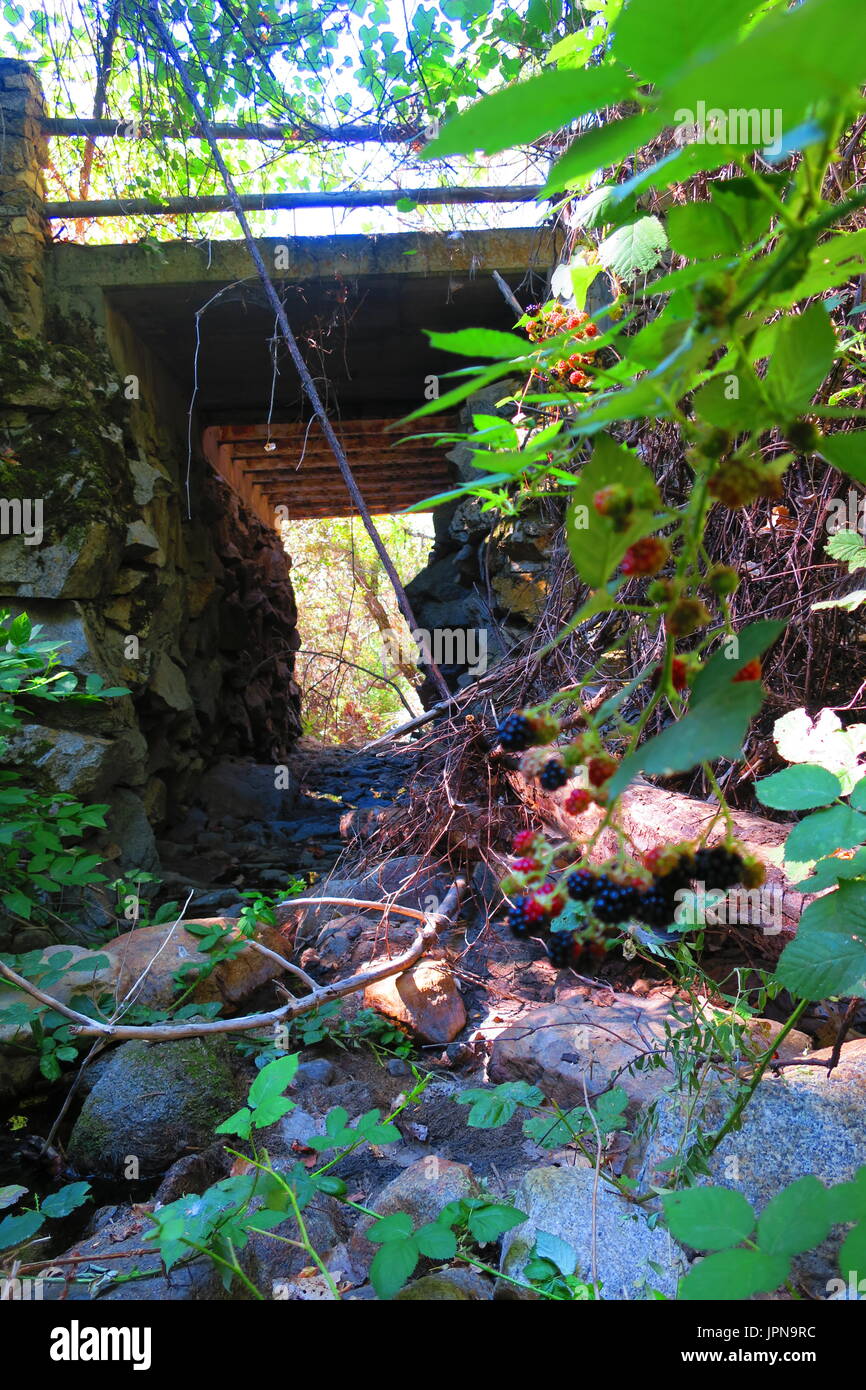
(486, 571)
(195, 616)
(133, 553)
(23, 234)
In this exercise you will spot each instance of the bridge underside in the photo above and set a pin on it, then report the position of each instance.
(359, 307)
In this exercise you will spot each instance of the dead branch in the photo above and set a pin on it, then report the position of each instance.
(84, 1027)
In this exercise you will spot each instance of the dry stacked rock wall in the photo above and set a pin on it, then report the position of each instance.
(140, 560)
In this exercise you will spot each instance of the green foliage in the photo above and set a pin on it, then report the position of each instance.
(746, 1261)
(17, 1230)
(474, 1221)
(36, 860)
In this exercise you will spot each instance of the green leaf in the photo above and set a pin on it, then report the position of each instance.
(733, 1274)
(852, 1255)
(793, 59)
(488, 1223)
(829, 871)
(795, 1220)
(15, 1229)
(552, 1131)
(436, 1242)
(480, 342)
(798, 788)
(699, 230)
(849, 547)
(10, 1195)
(802, 356)
(557, 1251)
(61, 1203)
(732, 401)
(272, 1080)
(656, 37)
(634, 250)
(846, 452)
(596, 547)
(493, 1108)
(828, 955)
(718, 673)
(857, 799)
(520, 114)
(708, 1218)
(392, 1265)
(397, 1226)
(239, 1123)
(715, 728)
(601, 147)
(824, 832)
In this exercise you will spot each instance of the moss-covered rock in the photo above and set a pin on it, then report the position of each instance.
(154, 1102)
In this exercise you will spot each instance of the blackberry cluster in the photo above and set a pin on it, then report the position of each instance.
(656, 907)
(581, 885)
(553, 775)
(520, 924)
(615, 903)
(718, 868)
(559, 948)
(516, 733)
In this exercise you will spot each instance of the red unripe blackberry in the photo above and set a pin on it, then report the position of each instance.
(750, 672)
(679, 673)
(601, 769)
(526, 865)
(525, 840)
(646, 556)
(577, 801)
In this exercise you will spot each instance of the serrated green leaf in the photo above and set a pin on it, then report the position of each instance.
(838, 827)
(733, 1275)
(800, 787)
(635, 249)
(796, 1219)
(708, 1218)
(520, 114)
(393, 1263)
(802, 356)
(435, 1241)
(488, 1223)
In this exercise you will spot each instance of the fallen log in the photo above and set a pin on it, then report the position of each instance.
(650, 815)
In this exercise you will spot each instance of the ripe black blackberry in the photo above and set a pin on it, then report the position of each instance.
(655, 908)
(580, 885)
(616, 903)
(718, 867)
(559, 948)
(517, 920)
(516, 733)
(553, 775)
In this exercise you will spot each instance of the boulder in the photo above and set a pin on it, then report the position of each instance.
(559, 1047)
(248, 790)
(562, 1202)
(156, 952)
(421, 1191)
(424, 999)
(447, 1285)
(797, 1121)
(154, 1102)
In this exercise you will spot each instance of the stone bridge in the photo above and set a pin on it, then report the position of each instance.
(148, 410)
